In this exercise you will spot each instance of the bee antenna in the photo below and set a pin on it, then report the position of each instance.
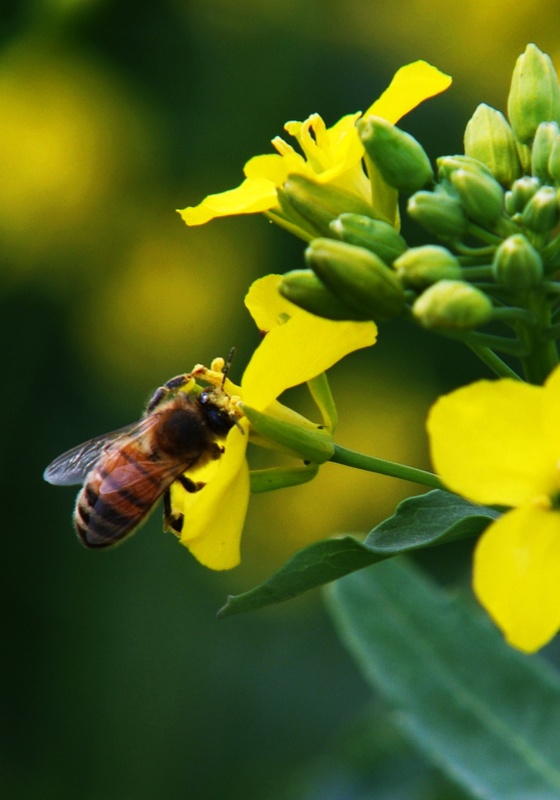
(227, 365)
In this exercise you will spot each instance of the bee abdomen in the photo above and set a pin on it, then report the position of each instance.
(100, 523)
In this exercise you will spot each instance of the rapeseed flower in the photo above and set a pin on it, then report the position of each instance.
(498, 443)
(297, 347)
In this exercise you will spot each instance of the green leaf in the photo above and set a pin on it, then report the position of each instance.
(430, 519)
(486, 714)
(313, 566)
(424, 521)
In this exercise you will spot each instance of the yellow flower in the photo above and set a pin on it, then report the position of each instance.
(498, 443)
(331, 156)
(297, 348)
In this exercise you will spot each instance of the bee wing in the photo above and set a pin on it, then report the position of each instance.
(72, 467)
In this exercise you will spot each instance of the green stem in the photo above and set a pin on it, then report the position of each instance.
(512, 347)
(475, 273)
(494, 362)
(506, 314)
(469, 253)
(350, 458)
(483, 234)
(552, 333)
(542, 353)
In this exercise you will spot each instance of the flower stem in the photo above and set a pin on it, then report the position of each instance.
(494, 362)
(350, 458)
(542, 353)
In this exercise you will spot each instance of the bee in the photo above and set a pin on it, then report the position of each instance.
(124, 473)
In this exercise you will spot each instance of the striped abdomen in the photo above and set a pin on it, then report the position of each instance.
(120, 492)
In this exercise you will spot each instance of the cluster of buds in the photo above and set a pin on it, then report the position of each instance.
(494, 213)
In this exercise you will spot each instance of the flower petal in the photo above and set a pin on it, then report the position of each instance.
(297, 351)
(551, 413)
(516, 569)
(266, 305)
(411, 85)
(270, 167)
(250, 197)
(215, 515)
(488, 442)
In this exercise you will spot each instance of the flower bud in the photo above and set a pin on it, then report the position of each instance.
(521, 192)
(439, 213)
(534, 96)
(303, 288)
(489, 139)
(546, 134)
(554, 161)
(319, 203)
(447, 165)
(401, 160)
(295, 434)
(452, 305)
(420, 266)
(517, 264)
(357, 277)
(541, 214)
(481, 195)
(374, 234)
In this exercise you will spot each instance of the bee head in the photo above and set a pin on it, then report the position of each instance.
(219, 416)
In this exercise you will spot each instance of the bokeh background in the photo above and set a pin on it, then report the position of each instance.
(117, 681)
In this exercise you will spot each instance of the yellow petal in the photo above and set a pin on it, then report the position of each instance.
(252, 196)
(270, 167)
(215, 515)
(488, 442)
(297, 351)
(551, 413)
(411, 85)
(516, 570)
(265, 303)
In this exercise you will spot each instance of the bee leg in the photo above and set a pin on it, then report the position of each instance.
(171, 521)
(189, 485)
(164, 391)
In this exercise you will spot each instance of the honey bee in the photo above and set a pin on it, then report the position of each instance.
(124, 473)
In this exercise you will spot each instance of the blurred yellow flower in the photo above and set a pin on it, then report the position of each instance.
(498, 443)
(298, 347)
(331, 156)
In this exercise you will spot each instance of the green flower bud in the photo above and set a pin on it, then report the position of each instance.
(421, 266)
(401, 160)
(521, 192)
(546, 134)
(439, 213)
(534, 96)
(554, 161)
(489, 139)
(517, 264)
(447, 165)
(374, 234)
(319, 203)
(541, 214)
(481, 196)
(303, 288)
(357, 277)
(452, 305)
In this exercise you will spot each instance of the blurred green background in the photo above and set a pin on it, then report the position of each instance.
(117, 681)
